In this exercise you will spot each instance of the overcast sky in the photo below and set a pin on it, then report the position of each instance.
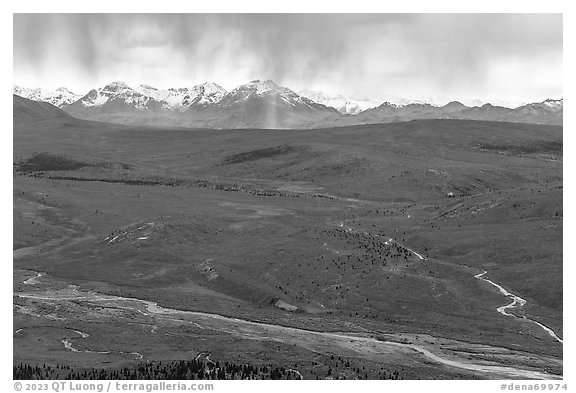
(499, 58)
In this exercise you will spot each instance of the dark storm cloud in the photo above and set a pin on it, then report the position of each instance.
(359, 53)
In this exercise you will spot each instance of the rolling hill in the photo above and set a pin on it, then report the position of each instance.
(25, 110)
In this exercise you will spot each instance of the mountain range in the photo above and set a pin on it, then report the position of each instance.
(264, 104)
(59, 97)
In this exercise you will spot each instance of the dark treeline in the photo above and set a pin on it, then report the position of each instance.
(203, 369)
(177, 370)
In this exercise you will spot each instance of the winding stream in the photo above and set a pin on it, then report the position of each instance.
(316, 341)
(517, 301)
(69, 346)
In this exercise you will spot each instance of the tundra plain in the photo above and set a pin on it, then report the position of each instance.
(349, 252)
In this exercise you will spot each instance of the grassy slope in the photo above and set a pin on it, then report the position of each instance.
(26, 110)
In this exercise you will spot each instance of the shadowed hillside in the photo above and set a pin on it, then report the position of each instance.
(26, 110)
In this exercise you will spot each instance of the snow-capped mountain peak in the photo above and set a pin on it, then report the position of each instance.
(548, 106)
(262, 90)
(259, 88)
(208, 93)
(554, 104)
(266, 86)
(152, 92)
(388, 104)
(116, 85)
(270, 94)
(118, 93)
(59, 97)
